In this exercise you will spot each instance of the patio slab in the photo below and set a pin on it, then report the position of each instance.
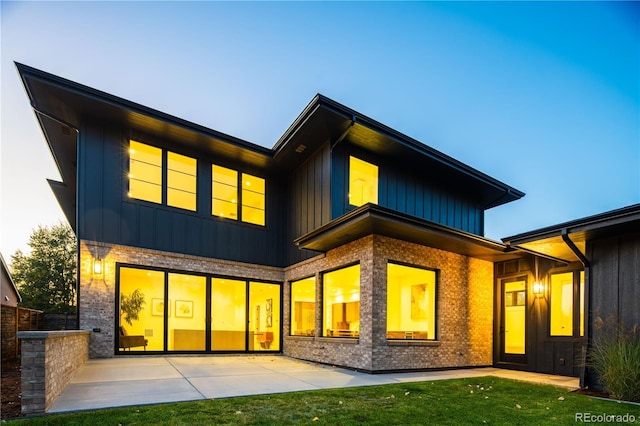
(127, 381)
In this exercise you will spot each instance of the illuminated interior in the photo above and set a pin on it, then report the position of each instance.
(561, 304)
(187, 312)
(264, 316)
(514, 297)
(253, 199)
(181, 181)
(145, 172)
(228, 314)
(581, 303)
(145, 289)
(411, 302)
(341, 302)
(144, 304)
(363, 182)
(224, 202)
(303, 307)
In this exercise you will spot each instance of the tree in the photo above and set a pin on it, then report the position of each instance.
(46, 277)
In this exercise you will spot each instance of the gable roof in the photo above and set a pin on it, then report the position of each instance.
(7, 275)
(551, 240)
(60, 106)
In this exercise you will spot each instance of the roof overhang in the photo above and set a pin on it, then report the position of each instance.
(550, 242)
(372, 219)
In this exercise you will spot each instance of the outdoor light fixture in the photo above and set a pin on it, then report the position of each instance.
(98, 266)
(538, 289)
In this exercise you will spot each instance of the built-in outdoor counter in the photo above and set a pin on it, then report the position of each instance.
(49, 360)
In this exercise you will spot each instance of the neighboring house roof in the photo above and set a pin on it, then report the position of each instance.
(61, 104)
(552, 240)
(373, 219)
(8, 285)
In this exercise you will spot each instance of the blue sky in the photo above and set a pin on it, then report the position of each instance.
(544, 96)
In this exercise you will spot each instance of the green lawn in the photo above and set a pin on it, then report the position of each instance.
(486, 400)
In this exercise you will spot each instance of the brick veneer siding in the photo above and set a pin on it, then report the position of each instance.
(97, 293)
(49, 360)
(464, 309)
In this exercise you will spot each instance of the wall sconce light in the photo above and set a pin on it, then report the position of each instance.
(538, 289)
(98, 266)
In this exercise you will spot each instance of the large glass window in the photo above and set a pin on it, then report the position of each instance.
(264, 316)
(341, 302)
(411, 302)
(224, 196)
(142, 310)
(564, 289)
(253, 199)
(562, 304)
(363, 182)
(145, 172)
(181, 181)
(303, 307)
(187, 312)
(145, 176)
(228, 314)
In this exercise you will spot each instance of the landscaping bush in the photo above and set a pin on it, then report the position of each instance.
(615, 358)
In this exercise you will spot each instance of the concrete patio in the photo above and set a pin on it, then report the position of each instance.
(117, 382)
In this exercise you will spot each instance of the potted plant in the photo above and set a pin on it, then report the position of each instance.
(131, 305)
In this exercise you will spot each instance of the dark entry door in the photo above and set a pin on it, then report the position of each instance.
(513, 320)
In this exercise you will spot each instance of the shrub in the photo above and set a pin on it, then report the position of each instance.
(615, 358)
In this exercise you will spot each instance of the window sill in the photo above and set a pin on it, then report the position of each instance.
(408, 342)
(299, 338)
(339, 340)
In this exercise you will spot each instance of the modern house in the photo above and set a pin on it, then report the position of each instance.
(347, 243)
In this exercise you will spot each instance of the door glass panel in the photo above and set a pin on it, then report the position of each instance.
(514, 317)
(562, 304)
(303, 307)
(581, 303)
(187, 312)
(264, 317)
(142, 310)
(228, 314)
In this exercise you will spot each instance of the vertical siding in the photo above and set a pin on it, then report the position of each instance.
(106, 214)
(408, 192)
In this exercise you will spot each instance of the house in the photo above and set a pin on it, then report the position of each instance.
(10, 295)
(347, 243)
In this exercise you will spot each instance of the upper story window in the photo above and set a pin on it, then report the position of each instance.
(145, 172)
(181, 181)
(224, 195)
(363, 182)
(146, 180)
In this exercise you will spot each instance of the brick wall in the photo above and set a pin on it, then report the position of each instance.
(464, 310)
(49, 360)
(97, 292)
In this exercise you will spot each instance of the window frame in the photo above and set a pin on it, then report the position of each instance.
(436, 290)
(291, 305)
(240, 195)
(578, 314)
(323, 316)
(351, 157)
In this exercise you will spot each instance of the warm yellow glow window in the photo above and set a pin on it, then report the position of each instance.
(303, 307)
(181, 181)
(562, 304)
(224, 201)
(341, 302)
(363, 182)
(581, 303)
(145, 172)
(187, 312)
(264, 316)
(253, 199)
(411, 302)
(515, 300)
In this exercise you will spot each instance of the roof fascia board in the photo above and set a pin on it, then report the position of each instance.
(613, 217)
(27, 72)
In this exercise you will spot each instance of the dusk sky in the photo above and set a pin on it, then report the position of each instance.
(543, 96)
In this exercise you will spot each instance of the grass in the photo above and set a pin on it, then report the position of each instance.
(485, 400)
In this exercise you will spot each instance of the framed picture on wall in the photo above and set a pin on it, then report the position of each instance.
(184, 309)
(157, 307)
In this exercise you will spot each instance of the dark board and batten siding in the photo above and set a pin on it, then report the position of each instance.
(406, 191)
(309, 190)
(106, 214)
